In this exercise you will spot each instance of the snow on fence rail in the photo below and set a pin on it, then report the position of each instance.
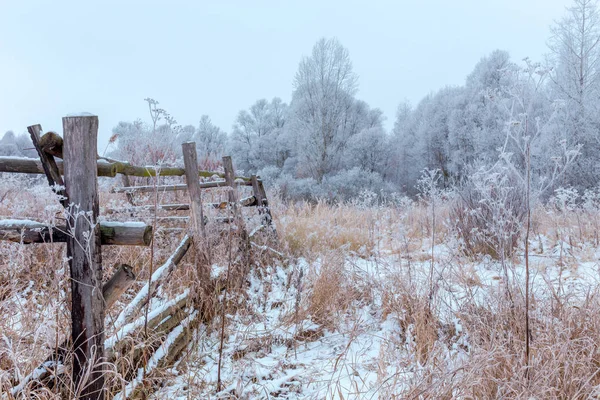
(111, 233)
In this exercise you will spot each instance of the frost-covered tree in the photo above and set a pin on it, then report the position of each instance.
(8, 145)
(321, 107)
(459, 127)
(210, 140)
(17, 145)
(575, 55)
(369, 150)
(159, 141)
(257, 139)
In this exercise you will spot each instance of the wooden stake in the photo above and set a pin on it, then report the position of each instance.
(190, 159)
(85, 257)
(244, 240)
(263, 204)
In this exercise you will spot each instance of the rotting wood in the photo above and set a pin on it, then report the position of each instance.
(116, 234)
(52, 144)
(84, 253)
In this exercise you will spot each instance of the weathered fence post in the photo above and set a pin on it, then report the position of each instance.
(237, 213)
(263, 204)
(83, 250)
(190, 159)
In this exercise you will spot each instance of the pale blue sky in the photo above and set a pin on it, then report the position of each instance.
(218, 57)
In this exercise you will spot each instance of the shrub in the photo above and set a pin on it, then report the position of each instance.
(489, 212)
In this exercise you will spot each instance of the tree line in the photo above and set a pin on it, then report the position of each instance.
(329, 143)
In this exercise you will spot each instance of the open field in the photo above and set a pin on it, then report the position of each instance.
(352, 309)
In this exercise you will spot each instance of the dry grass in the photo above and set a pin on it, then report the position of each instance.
(434, 358)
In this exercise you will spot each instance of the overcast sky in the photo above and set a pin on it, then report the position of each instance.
(218, 57)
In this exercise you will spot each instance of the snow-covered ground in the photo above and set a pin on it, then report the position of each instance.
(363, 352)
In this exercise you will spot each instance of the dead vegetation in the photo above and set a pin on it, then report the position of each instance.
(363, 267)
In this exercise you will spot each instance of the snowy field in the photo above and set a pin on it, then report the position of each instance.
(359, 305)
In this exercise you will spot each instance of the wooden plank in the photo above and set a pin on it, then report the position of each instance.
(117, 284)
(183, 219)
(85, 257)
(174, 187)
(263, 204)
(150, 171)
(115, 234)
(158, 277)
(23, 165)
(53, 175)
(249, 201)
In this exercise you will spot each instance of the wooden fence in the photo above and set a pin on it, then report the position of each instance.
(74, 180)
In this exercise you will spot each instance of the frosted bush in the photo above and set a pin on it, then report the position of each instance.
(489, 212)
(565, 199)
(347, 185)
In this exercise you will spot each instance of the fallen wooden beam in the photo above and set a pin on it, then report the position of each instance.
(158, 277)
(122, 346)
(164, 356)
(111, 233)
